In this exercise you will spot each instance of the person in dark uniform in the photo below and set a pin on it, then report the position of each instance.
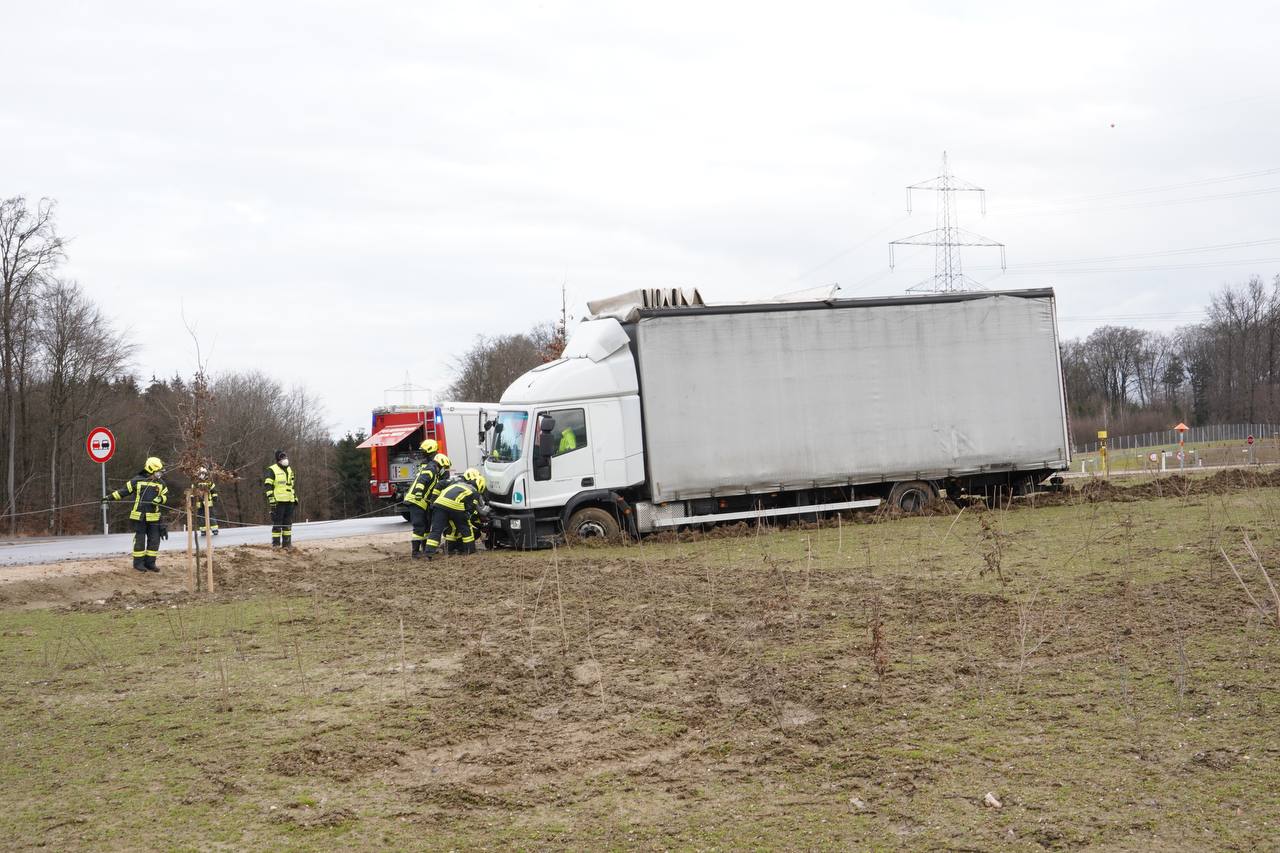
(425, 489)
(150, 496)
(453, 511)
(282, 498)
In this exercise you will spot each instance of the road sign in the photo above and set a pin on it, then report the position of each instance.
(101, 444)
(1249, 439)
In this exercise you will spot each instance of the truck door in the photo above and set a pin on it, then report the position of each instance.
(569, 468)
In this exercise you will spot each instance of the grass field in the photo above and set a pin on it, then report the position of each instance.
(1094, 666)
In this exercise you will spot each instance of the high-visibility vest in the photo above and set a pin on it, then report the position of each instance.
(457, 496)
(568, 441)
(149, 495)
(279, 483)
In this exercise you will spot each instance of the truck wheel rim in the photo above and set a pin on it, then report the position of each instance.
(912, 501)
(591, 530)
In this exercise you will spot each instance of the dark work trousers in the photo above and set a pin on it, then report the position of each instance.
(146, 544)
(282, 524)
(420, 519)
(456, 521)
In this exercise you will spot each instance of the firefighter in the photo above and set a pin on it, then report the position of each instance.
(426, 487)
(206, 495)
(150, 495)
(453, 537)
(282, 499)
(453, 510)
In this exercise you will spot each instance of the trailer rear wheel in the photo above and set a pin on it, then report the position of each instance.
(592, 523)
(912, 496)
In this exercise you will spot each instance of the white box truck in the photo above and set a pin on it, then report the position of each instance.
(669, 416)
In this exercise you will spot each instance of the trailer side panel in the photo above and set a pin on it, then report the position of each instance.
(849, 392)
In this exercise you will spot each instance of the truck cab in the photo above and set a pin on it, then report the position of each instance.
(566, 444)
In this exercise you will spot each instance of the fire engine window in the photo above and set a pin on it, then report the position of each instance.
(570, 431)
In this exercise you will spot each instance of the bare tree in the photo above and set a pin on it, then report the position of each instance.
(81, 354)
(30, 249)
(484, 371)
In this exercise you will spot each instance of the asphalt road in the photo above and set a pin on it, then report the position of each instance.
(26, 552)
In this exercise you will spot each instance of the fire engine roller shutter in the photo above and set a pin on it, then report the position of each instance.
(388, 436)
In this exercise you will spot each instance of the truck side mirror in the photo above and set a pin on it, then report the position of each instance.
(543, 449)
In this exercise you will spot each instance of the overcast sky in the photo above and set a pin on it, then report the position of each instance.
(341, 193)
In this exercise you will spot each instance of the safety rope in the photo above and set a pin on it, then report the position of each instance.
(388, 510)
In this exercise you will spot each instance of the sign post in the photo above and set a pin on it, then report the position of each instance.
(1102, 451)
(1182, 445)
(101, 445)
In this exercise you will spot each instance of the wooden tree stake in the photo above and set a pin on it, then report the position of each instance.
(208, 536)
(191, 551)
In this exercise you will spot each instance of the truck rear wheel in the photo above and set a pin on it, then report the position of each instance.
(912, 496)
(592, 523)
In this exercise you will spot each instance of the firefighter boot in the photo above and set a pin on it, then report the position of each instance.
(150, 564)
(138, 565)
(416, 551)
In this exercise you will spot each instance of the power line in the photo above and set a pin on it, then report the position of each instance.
(838, 255)
(1069, 200)
(1141, 205)
(1158, 315)
(1190, 250)
(1157, 268)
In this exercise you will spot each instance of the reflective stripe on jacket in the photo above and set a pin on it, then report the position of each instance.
(279, 483)
(425, 486)
(459, 496)
(150, 494)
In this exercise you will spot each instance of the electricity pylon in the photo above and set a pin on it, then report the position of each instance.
(948, 236)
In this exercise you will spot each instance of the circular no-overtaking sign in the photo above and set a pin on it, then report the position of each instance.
(101, 444)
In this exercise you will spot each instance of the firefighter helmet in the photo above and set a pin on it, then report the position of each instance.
(430, 446)
(443, 461)
(152, 465)
(473, 475)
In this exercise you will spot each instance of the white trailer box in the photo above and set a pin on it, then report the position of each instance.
(741, 399)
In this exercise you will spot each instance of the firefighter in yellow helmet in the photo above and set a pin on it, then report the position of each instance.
(427, 485)
(150, 496)
(282, 499)
(458, 503)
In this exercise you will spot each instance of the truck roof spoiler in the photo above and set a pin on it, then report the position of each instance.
(626, 307)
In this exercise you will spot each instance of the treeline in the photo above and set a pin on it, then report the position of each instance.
(65, 368)
(1225, 369)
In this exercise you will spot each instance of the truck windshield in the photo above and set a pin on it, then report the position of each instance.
(508, 436)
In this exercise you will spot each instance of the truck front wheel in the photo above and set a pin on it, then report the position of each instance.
(912, 496)
(592, 523)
